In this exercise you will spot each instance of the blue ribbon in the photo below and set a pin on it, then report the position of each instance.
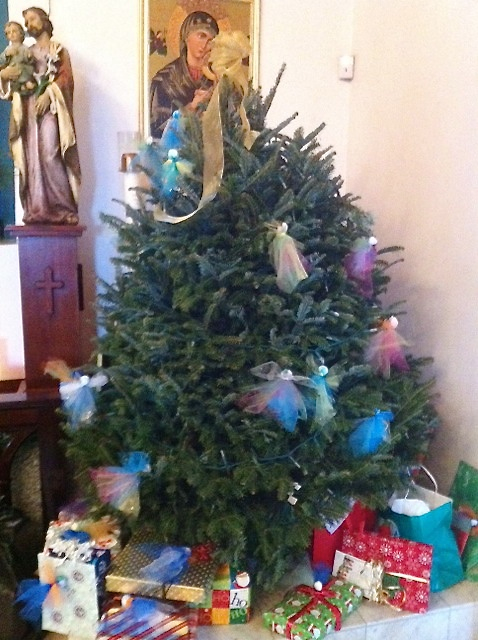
(169, 562)
(32, 594)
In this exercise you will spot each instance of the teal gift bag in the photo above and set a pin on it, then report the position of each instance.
(432, 528)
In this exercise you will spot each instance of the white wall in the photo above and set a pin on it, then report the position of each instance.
(11, 338)
(308, 36)
(412, 156)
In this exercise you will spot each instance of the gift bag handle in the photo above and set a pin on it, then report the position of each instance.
(430, 476)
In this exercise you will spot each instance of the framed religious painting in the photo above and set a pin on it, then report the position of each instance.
(176, 42)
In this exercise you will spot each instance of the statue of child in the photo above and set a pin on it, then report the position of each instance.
(18, 55)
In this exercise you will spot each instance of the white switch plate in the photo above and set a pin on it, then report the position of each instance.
(346, 67)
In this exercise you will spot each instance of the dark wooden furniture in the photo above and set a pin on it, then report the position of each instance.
(34, 413)
(51, 295)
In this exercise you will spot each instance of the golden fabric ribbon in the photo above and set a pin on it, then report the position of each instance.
(47, 575)
(229, 49)
(226, 61)
(384, 594)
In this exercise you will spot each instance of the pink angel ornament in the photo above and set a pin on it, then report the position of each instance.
(279, 396)
(289, 263)
(385, 351)
(359, 264)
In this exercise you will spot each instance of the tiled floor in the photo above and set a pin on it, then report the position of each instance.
(452, 615)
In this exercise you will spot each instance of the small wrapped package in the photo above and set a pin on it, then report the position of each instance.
(309, 614)
(72, 605)
(137, 570)
(229, 600)
(396, 572)
(149, 620)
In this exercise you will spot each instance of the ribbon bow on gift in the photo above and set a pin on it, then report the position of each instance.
(32, 594)
(316, 597)
(385, 587)
(169, 562)
(379, 585)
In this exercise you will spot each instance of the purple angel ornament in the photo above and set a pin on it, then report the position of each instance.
(359, 264)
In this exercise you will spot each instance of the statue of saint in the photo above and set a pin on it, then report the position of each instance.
(42, 133)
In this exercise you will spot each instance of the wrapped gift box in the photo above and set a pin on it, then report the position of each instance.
(73, 606)
(103, 533)
(403, 568)
(126, 575)
(149, 620)
(308, 614)
(327, 540)
(229, 600)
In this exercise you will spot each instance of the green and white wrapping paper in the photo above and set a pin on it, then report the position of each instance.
(308, 614)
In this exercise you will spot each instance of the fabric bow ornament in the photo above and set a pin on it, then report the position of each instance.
(384, 350)
(279, 396)
(370, 433)
(359, 264)
(290, 265)
(119, 486)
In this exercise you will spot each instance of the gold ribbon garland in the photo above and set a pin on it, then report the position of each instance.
(229, 50)
(384, 594)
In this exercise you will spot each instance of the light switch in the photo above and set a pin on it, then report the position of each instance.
(346, 67)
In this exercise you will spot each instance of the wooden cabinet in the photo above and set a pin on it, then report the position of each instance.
(51, 295)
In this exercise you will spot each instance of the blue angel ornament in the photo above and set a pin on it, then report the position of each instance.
(279, 396)
(172, 134)
(172, 169)
(370, 433)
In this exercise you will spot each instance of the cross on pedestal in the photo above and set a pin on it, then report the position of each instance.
(49, 285)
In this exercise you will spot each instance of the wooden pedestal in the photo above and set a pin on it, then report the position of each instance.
(51, 295)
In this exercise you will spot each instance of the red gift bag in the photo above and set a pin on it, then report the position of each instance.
(326, 541)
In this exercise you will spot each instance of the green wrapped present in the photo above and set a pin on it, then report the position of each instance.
(308, 614)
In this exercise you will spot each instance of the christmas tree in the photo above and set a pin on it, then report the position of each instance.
(237, 344)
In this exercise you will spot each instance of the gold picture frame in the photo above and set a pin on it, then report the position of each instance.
(161, 22)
